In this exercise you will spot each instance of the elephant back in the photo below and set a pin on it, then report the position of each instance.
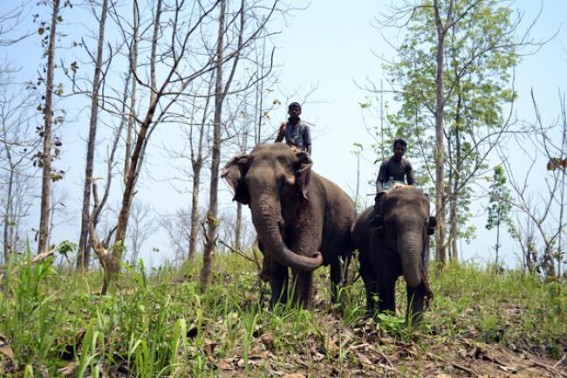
(360, 228)
(338, 212)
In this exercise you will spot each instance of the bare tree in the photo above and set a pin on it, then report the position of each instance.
(17, 145)
(163, 74)
(170, 72)
(195, 129)
(254, 117)
(140, 229)
(84, 247)
(540, 218)
(222, 88)
(179, 235)
(9, 22)
(47, 130)
(211, 219)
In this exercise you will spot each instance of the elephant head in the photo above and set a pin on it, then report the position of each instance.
(399, 247)
(274, 181)
(407, 226)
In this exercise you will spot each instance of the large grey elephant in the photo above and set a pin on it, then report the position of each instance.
(302, 220)
(398, 246)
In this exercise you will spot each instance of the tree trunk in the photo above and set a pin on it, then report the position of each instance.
(194, 232)
(84, 247)
(44, 226)
(197, 161)
(441, 254)
(212, 224)
(453, 230)
(131, 174)
(456, 182)
(9, 218)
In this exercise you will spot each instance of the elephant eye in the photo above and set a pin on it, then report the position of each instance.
(287, 183)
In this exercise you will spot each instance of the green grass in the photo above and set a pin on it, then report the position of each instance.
(54, 324)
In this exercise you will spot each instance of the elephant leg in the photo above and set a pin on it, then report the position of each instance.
(371, 294)
(279, 283)
(416, 297)
(368, 277)
(336, 281)
(302, 288)
(386, 286)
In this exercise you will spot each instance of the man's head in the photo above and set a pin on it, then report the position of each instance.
(400, 146)
(294, 109)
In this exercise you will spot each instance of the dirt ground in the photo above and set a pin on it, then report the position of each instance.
(365, 352)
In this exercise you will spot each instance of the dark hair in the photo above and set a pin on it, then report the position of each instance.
(400, 141)
(294, 104)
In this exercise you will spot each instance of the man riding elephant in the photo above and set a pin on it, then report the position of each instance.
(396, 168)
(295, 131)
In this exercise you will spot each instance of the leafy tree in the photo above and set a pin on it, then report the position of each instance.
(452, 78)
(499, 205)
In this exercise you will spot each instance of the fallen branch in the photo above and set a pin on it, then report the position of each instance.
(551, 369)
(465, 369)
(392, 369)
(560, 361)
(242, 254)
(44, 255)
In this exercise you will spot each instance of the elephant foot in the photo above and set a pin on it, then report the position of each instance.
(265, 275)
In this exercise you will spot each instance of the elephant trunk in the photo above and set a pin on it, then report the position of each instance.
(266, 219)
(409, 247)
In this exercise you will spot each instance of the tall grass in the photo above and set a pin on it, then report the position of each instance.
(152, 326)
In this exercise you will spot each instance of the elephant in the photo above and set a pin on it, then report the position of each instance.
(302, 219)
(398, 246)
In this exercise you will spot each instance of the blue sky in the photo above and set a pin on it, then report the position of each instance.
(331, 46)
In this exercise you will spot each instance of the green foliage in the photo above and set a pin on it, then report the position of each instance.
(499, 200)
(480, 53)
(156, 325)
(499, 206)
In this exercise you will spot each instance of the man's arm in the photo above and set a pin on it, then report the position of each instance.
(307, 139)
(281, 133)
(381, 178)
(410, 175)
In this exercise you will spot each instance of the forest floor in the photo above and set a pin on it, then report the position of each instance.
(386, 349)
(159, 323)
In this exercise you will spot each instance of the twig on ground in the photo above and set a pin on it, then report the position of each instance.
(465, 369)
(551, 369)
(241, 254)
(561, 360)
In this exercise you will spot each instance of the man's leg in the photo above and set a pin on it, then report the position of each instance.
(378, 220)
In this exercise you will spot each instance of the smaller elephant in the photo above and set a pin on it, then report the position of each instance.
(302, 220)
(398, 246)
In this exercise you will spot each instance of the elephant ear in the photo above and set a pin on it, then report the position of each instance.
(302, 173)
(431, 224)
(233, 173)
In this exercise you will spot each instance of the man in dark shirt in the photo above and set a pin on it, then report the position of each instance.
(394, 169)
(295, 131)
